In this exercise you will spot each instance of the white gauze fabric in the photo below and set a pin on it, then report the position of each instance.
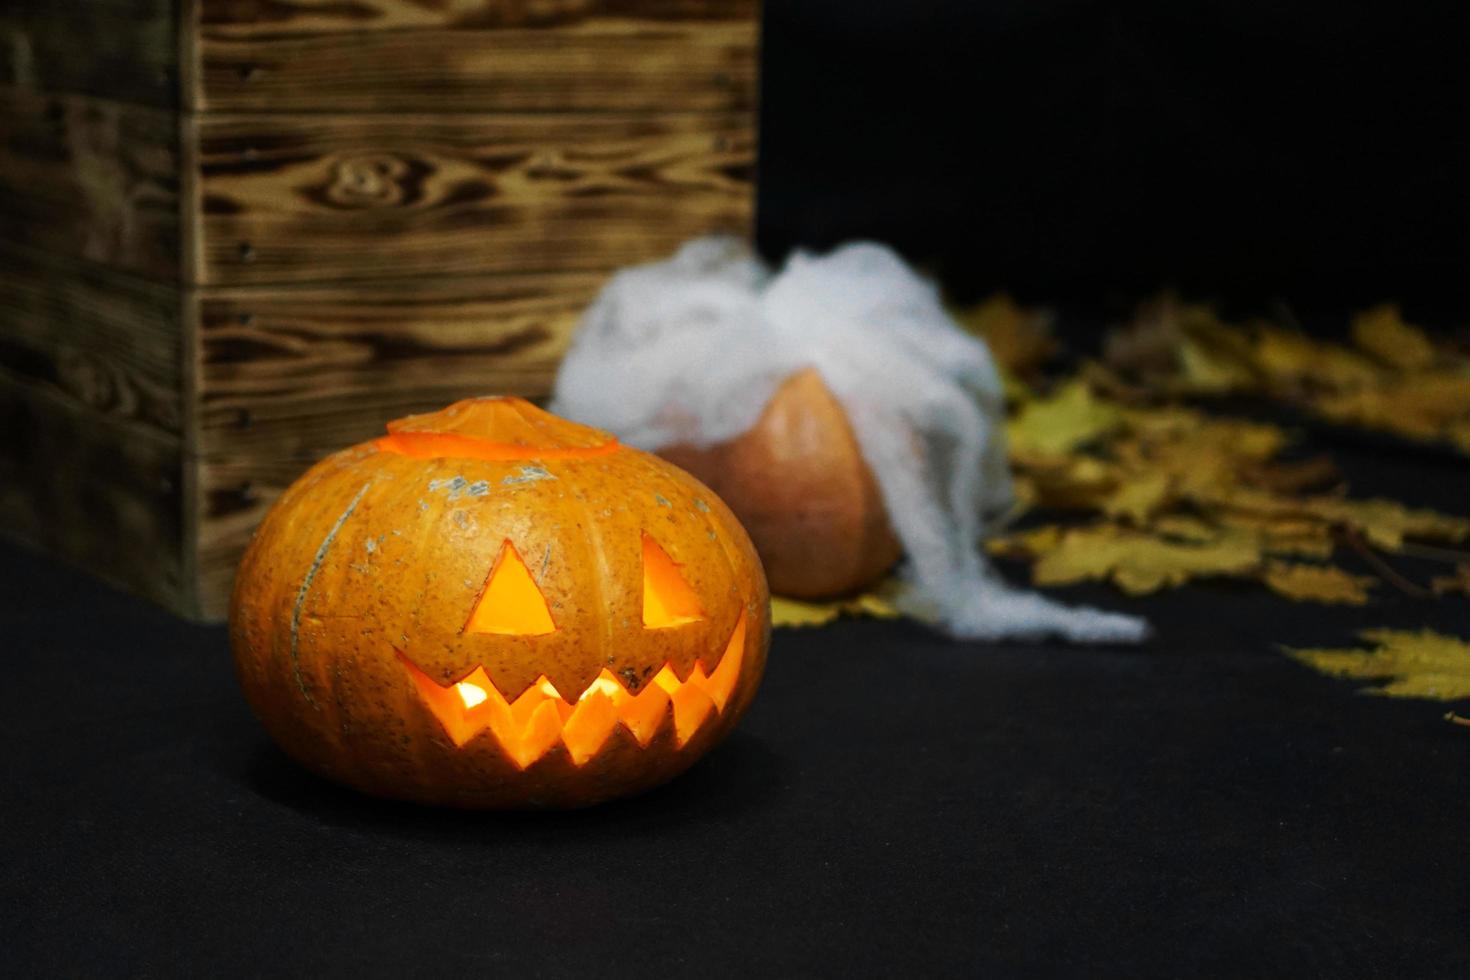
(689, 350)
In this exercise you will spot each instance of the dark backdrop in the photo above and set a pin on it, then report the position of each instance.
(1078, 150)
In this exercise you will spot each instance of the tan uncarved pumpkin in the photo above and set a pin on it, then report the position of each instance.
(798, 482)
(494, 607)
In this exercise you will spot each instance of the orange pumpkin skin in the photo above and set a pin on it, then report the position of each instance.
(357, 593)
(798, 481)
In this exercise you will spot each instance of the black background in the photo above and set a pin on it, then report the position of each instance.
(1087, 151)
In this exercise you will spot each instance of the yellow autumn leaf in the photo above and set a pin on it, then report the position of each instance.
(1385, 523)
(1185, 527)
(1138, 562)
(1407, 663)
(1383, 333)
(1235, 437)
(1426, 405)
(1290, 358)
(1457, 582)
(1316, 583)
(1303, 537)
(1182, 346)
(1019, 339)
(1459, 435)
(796, 612)
(1067, 482)
(1070, 418)
(1140, 498)
(1028, 543)
(1213, 368)
(1199, 453)
(787, 612)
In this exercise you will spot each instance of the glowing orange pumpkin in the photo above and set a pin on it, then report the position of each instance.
(494, 607)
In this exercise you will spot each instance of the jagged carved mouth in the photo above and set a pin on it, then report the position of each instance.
(528, 727)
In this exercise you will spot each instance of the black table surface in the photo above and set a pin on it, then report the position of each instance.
(894, 804)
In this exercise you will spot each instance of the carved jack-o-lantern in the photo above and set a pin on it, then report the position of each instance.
(492, 606)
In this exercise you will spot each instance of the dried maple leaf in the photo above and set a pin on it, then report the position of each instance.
(1213, 364)
(1385, 523)
(797, 612)
(1054, 426)
(1302, 537)
(1185, 527)
(1140, 498)
(1187, 494)
(1458, 582)
(1289, 360)
(1066, 482)
(1425, 405)
(1382, 333)
(1412, 664)
(1177, 347)
(1138, 562)
(1029, 543)
(1148, 347)
(1316, 583)
(1306, 474)
(1394, 379)
(1019, 339)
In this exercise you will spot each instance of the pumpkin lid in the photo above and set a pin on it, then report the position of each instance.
(500, 428)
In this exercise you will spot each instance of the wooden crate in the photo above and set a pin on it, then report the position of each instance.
(236, 235)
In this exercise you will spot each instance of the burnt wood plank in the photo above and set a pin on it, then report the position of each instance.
(91, 178)
(480, 55)
(300, 198)
(103, 342)
(125, 50)
(298, 372)
(97, 491)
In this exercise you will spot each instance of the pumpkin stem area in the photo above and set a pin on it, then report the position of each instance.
(528, 727)
(494, 429)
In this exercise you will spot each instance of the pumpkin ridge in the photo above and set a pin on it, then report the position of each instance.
(301, 593)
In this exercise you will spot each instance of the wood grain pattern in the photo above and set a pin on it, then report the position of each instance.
(298, 372)
(103, 342)
(236, 235)
(100, 492)
(91, 178)
(125, 50)
(289, 198)
(476, 55)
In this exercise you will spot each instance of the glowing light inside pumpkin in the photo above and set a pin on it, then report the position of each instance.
(531, 725)
(470, 694)
(667, 598)
(510, 603)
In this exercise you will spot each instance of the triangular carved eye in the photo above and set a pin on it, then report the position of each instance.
(510, 603)
(667, 598)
